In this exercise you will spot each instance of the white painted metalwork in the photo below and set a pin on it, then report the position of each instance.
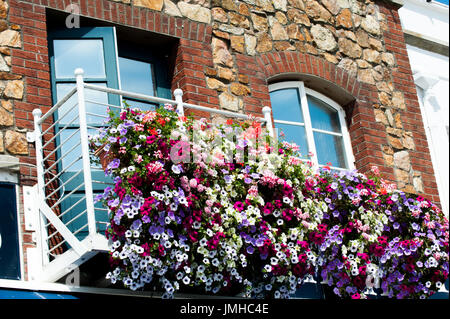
(178, 93)
(267, 111)
(85, 152)
(60, 242)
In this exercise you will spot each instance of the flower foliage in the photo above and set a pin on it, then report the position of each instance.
(225, 209)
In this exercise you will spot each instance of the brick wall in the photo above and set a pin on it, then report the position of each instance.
(228, 52)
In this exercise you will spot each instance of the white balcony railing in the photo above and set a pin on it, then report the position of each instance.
(70, 227)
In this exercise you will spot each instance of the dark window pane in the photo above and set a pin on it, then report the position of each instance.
(9, 233)
(144, 106)
(136, 76)
(286, 105)
(323, 116)
(330, 149)
(86, 54)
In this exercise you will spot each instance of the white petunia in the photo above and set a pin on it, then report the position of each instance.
(176, 169)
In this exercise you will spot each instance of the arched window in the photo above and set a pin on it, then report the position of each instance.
(312, 121)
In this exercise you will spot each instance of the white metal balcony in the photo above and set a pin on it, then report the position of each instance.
(69, 226)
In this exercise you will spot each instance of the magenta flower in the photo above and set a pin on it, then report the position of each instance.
(151, 139)
(356, 296)
(239, 206)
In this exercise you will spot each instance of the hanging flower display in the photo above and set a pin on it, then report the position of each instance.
(224, 209)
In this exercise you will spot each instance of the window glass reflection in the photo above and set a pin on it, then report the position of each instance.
(323, 117)
(97, 113)
(71, 149)
(286, 105)
(137, 77)
(293, 134)
(80, 53)
(330, 149)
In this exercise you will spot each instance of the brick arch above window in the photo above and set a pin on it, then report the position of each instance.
(318, 73)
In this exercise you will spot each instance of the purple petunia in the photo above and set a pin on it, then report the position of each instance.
(227, 179)
(114, 163)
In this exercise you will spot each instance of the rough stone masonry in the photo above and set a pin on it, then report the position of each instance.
(361, 40)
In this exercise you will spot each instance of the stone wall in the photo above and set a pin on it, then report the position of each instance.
(347, 33)
(12, 138)
(228, 52)
(355, 36)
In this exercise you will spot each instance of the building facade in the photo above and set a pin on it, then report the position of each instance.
(344, 63)
(426, 33)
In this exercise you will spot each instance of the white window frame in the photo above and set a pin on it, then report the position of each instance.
(303, 91)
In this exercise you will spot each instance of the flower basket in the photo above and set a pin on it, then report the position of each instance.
(104, 156)
(225, 209)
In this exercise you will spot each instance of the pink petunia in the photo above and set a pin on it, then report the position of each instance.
(239, 206)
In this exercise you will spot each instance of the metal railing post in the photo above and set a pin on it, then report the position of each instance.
(37, 113)
(40, 228)
(178, 93)
(268, 117)
(85, 153)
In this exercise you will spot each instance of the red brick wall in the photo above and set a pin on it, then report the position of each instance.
(411, 117)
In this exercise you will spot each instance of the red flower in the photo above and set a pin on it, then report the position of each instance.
(152, 131)
(409, 267)
(316, 238)
(359, 282)
(382, 240)
(302, 258)
(161, 250)
(376, 250)
(239, 206)
(161, 121)
(363, 256)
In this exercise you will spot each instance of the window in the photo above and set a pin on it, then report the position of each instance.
(9, 233)
(143, 71)
(111, 60)
(312, 121)
(136, 76)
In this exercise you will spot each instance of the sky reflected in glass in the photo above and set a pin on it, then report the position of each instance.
(330, 149)
(136, 76)
(81, 53)
(286, 105)
(94, 109)
(293, 134)
(323, 117)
